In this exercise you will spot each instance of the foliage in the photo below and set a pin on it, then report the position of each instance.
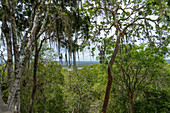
(137, 67)
(49, 98)
(80, 92)
(60, 90)
(153, 100)
(137, 19)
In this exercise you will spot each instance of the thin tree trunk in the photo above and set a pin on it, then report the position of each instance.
(110, 75)
(74, 49)
(9, 60)
(70, 50)
(103, 49)
(59, 53)
(131, 103)
(66, 59)
(16, 57)
(34, 78)
(74, 59)
(6, 32)
(69, 58)
(36, 58)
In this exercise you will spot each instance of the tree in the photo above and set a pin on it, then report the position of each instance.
(137, 69)
(29, 22)
(70, 27)
(129, 20)
(22, 50)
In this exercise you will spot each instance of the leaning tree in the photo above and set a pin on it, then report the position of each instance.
(126, 21)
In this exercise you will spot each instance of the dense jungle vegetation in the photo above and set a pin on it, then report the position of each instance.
(140, 73)
(131, 37)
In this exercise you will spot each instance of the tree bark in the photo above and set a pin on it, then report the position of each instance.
(110, 75)
(131, 103)
(17, 100)
(9, 54)
(34, 78)
(16, 57)
(6, 32)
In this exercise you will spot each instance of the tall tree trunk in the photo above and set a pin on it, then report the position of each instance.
(16, 57)
(6, 32)
(34, 78)
(36, 58)
(110, 75)
(9, 63)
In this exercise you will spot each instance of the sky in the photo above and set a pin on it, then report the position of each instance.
(83, 56)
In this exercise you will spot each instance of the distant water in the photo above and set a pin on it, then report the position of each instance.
(168, 60)
(84, 63)
(80, 63)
